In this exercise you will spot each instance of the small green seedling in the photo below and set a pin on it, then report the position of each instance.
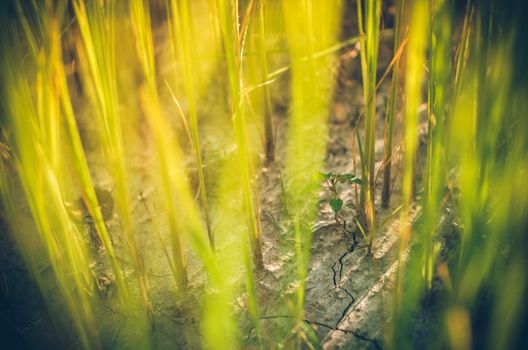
(333, 179)
(336, 202)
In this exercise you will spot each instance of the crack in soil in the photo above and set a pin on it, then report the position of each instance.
(345, 311)
(336, 278)
(355, 333)
(337, 282)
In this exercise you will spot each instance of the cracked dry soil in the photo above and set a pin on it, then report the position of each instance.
(348, 292)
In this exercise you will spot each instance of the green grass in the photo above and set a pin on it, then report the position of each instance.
(182, 39)
(369, 23)
(230, 30)
(311, 88)
(35, 141)
(269, 134)
(166, 148)
(391, 112)
(416, 51)
(435, 175)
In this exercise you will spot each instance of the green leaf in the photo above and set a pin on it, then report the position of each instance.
(344, 177)
(349, 178)
(357, 181)
(328, 175)
(315, 343)
(336, 204)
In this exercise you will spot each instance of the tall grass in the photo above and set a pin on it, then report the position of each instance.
(174, 181)
(311, 89)
(233, 38)
(469, 160)
(416, 50)
(369, 38)
(391, 113)
(228, 20)
(438, 86)
(34, 136)
(488, 211)
(165, 146)
(269, 136)
(97, 25)
(182, 39)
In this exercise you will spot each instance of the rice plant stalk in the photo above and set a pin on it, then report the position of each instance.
(182, 39)
(419, 26)
(486, 85)
(389, 126)
(369, 57)
(97, 28)
(269, 137)
(435, 175)
(228, 20)
(83, 175)
(488, 143)
(162, 137)
(38, 175)
(310, 26)
(464, 138)
(180, 203)
(463, 49)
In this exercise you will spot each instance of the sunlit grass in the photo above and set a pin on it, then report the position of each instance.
(97, 24)
(391, 112)
(164, 146)
(369, 23)
(416, 51)
(311, 88)
(182, 39)
(34, 139)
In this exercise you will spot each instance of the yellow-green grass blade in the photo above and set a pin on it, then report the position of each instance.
(416, 50)
(97, 22)
(391, 114)
(141, 21)
(227, 11)
(310, 27)
(60, 238)
(369, 33)
(183, 39)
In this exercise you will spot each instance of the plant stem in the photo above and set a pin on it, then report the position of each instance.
(269, 136)
(369, 57)
(389, 126)
(183, 37)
